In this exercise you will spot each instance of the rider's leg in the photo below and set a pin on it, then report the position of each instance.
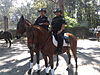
(60, 42)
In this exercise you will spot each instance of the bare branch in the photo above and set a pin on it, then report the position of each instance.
(54, 1)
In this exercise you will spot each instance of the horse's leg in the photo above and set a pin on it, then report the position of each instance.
(51, 64)
(75, 56)
(6, 41)
(99, 38)
(70, 66)
(46, 64)
(73, 47)
(31, 61)
(57, 61)
(69, 58)
(97, 35)
(9, 43)
(38, 58)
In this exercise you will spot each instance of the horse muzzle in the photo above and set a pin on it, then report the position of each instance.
(31, 46)
(18, 36)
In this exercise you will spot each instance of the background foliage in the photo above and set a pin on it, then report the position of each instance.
(76, 12)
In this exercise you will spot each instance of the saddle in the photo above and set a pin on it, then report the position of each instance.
(65, 40)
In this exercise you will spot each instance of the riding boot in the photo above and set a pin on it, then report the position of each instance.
(67, 41)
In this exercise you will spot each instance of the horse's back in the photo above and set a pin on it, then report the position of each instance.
(9, 34)
(72, 40)
(5, 35)
(71, 35)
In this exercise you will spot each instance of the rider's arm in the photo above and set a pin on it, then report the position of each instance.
(63, 25)
(46, 22)
(62, 28)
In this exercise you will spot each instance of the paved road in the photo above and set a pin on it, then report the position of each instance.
(15, 60)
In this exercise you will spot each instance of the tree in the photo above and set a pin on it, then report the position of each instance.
(4, 9)
(59, 4)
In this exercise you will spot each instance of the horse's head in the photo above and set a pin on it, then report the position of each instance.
(20, 27)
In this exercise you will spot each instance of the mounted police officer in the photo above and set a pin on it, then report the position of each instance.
(42, 20)
(58, 26)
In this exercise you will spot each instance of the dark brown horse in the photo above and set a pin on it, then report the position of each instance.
(41, 39)
(49, 50)
(98, 35)
(7, 36)
(25, 26)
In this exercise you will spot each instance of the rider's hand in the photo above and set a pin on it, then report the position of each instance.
(59, 31)
(40, 23)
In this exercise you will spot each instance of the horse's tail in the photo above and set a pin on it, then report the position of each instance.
(73, 45)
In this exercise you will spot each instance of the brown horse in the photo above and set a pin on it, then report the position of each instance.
(49, 50)
(25, 26)
(98, 35)
(41, 39)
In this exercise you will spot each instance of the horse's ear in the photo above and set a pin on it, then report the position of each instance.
(22, 17)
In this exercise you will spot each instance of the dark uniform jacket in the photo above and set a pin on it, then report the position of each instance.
(57, 23)
(40, 20)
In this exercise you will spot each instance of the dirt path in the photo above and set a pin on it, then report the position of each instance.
(15, 60)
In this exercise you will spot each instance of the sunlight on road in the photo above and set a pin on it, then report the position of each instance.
(15, 60)
(87, 43)
(88, 57)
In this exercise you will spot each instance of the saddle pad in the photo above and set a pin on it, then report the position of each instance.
(55, 42)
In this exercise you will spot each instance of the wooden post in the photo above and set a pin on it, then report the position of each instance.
(5, 23)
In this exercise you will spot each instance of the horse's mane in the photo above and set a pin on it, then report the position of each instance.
(36, 27)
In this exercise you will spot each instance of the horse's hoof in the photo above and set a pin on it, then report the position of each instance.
(47, 73)
(29, 72)
(76, 73)
(67, 69)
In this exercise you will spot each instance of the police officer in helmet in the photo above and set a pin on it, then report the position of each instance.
(58, 25)
(42, 20)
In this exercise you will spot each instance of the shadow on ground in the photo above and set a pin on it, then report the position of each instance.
(90, 56)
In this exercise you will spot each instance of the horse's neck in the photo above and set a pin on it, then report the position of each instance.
(43, 34)
(28, 26)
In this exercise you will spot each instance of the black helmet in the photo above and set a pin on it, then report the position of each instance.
(42, 10)
(57, 10)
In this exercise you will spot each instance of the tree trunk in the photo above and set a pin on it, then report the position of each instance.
(61, 5)
(5, 23)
